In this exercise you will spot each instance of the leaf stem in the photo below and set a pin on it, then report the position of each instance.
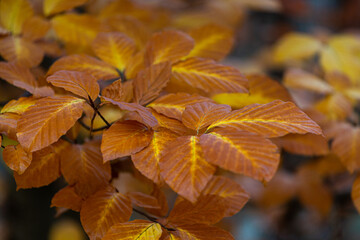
(92, 104)
(152, 219)
(95, 129)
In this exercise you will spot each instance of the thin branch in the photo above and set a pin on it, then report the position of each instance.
(92, 125)
(2, 146)
(92, 104)
(88, 127)
(152, 219)
(66, 138)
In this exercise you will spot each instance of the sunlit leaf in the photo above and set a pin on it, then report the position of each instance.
(18, 106)
(14, 13)
(137, 229)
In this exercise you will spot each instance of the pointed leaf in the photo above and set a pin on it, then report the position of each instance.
(206, 76)
(82, 84)
(211, 41)
(114, 48)
(118, 91)
(103, 210)
(173, 105)
(67, 198)
(124, 138)
(16, 158)
(82, 166)
(43, 170)
(241, 152)
(21, 51)
(147, 160)
(83, 63)
(46, 121)
(14, 13)
(150, 81)
(137, 229)
(200, 115)
(233, 195)
(18, 106)
(56, 6)
(184, 168)
(273, 119)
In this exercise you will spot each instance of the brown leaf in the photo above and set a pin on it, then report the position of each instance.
(103, 210)
(36, 28)
(8, 124)
(143, 200)
(241, 152)
(150, 81)
(82, 84)
(124, 138)
(355, 193)
(43, 170)
(82, 166)
(46, 121)
(67, 198)
(184, 168)
(200, 115)
(199, 232)
(168, 45)
(171, 124)
(137, 229)
(273, 119)
(118, 91)
(16, 158)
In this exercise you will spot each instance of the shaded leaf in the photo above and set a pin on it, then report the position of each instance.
(8, 124)
(16, 158)
(355, 193)
(35, 28)
(137, 229)
(184, 168)
(124, 138)
(67, 198)
(199, 232)
(118, 91)
(171, 124)
(46, 121)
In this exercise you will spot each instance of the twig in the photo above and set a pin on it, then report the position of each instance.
(152, 219)
(95, 129)
(92, 104)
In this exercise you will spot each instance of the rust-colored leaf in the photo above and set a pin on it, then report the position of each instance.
(173, 105)
(125, 138)
(56, 6)
(16, 158)
(198, 232)
(118, 91)
(355, 193)
(184, 168)
(83, 63)
(114, 48)
(103, 210)
(273, 119)
(171, 124)
(67, 198)
(83, 167)
(200, 115)
(233, 195)
(35, 28)
(82, 84)
(168, 45)
(137, 229)
(211, 41)
(150, 81)
(46, 121)
(241, 152)
(43, 170)
(206, 76)
(147, 160)
(8, 124)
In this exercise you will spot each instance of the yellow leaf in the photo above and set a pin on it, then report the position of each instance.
(18, 106)
(14, 13)
(56, 6)
(137, 229)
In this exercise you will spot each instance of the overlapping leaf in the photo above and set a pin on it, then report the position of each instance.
(137, 229)
(18, 106)
(67, 198)
(8, 124)
(16, 158)
(55, 6)
(355, 193)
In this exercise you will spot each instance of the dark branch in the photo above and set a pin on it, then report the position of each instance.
(92, 104)
(152, 219)
(95, 129)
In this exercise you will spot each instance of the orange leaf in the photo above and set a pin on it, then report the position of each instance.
(82, 84)
(83, 63)
(273, 119)
(241, 152)
(198, 232)
(173, 105)
(114, 48)
(21, 51)
(307, 144)
(8, 124)
(56, 6)
(168, 45)
(171, 124)
(82, 166)
(346, 145)
(211, 41)
(208, 209)
(18, 106)
(144, 113)
(206, 76)
(43, 170)
(137, 229)
(143, 200)
(200, 115)
(16, 158)
(147, 160)
(46, 121)
(162, 202)
(355, 193)
(124, 138)
(102, 210)
(184, 168)
(335, 106)
(35, 28)
(14, 13)
(150, 81)
(118, 91)
(67, 198)
(233, 195)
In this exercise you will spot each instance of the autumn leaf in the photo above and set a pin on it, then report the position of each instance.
(46, 121)
(198, 232)
(355, 193)
(16, 158)
(273, 119)
(118, 91)
(171, 124)
(8, 124)
(18, 106)
(184, 168)
(80, 83)
(14, 13)
(36, 28)
(67, 198)
(56, 6)
(124, 138)
(83, 167)
(103, 210)
(137, 229)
